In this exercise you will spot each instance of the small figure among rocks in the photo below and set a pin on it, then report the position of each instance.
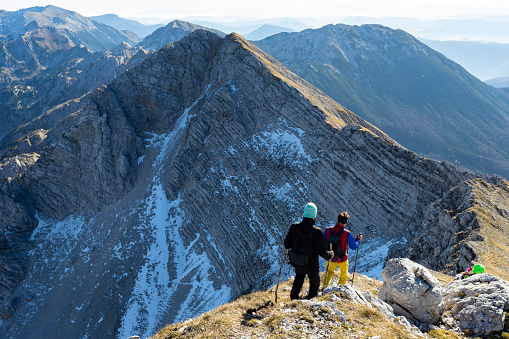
(477, 269)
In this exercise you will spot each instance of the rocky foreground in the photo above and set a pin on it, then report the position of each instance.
(411, 303)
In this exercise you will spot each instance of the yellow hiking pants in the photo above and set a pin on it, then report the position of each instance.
(343, 267)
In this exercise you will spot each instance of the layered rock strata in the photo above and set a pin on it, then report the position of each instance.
(468, 224)
(168, 192)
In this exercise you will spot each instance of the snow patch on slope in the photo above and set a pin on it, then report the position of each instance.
(283, 146)
(173, 273)
(371, 256)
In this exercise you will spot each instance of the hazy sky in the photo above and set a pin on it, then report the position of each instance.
(171, 9)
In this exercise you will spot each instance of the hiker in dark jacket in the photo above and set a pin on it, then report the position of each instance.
(345, 238)
(311, 237)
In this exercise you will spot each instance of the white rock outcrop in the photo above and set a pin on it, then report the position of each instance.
(476, 305)
(366, 298)
(411, 290)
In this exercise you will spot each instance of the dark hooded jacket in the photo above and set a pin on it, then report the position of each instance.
(316, 238)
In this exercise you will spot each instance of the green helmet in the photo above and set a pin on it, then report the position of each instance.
(478, 268)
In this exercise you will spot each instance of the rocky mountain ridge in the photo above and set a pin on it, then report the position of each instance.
(168, 191)
(119, 23)
(423, 100)
(37, 34)
(47, 57)
(72, 73)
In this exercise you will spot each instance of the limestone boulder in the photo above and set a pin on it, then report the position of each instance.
(411, 290)
(476, 305)
(354, 295)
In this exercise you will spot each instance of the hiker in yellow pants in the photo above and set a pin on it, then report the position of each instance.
(331, 267)
(339, 239)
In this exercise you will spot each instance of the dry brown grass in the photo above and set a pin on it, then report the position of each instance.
(443, 278)
(256, 316)
(491, 206)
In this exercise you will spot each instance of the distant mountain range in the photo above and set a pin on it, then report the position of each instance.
(119, 23)
(33, 39)
(246, 26)
(484, 60)
(422, 99)
(266, 31)
(55, 28)
(487, 28)
(502, 82)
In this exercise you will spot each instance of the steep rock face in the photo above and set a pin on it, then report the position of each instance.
(168, 192)
(17, 222)
(457, 228)
(420, 98)
(76, 72)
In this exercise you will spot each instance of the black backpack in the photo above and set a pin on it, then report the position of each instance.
(300, 252)
(334, 241)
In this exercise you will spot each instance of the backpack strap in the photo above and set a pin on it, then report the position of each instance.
(344, 243)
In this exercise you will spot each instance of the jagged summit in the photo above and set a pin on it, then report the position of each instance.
(172, 32)
(167, 192)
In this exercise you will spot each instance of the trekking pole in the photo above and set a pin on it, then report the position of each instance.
(326, 270)
(279, 275)
(355, 264)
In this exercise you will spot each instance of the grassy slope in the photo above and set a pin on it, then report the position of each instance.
(256, 315)
(491, 206)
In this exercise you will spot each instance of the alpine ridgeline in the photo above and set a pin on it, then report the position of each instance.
(50, 55)
(419, 97)
(64, 71)
(168, 192)
(33, 38)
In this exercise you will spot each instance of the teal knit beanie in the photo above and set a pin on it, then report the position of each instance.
(310, 210)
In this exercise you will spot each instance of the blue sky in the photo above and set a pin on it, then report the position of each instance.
(324, 9)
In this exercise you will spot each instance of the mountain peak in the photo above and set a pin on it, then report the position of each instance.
(172, 32)
(407, 89)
